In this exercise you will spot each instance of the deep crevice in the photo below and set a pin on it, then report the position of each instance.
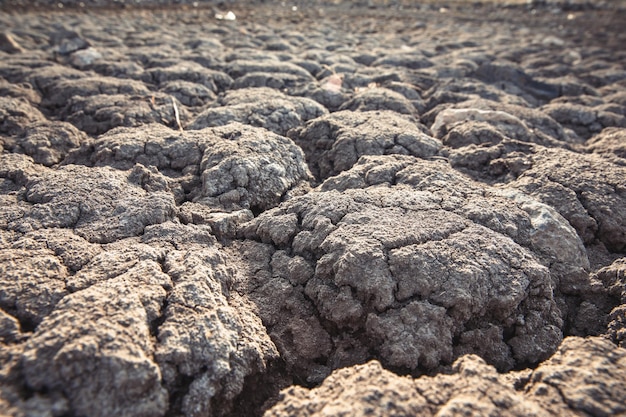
(177, 394)
(261, 390)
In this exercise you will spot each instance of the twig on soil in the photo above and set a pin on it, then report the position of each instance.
(177, 115)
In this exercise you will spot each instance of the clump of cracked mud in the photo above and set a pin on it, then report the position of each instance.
(329, 209)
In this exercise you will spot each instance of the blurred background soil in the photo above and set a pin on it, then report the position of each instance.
(582, 23)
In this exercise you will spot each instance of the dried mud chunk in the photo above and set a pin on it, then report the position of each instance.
(334, 143)
(360, 390)
(408, 60)
(409, 91)
(584, 376)
(45, 76)
(512, 213)
(462, 127)
(420, 331)
(539, 127)
(611, 142)
(99, 113)
(152, 145)
(73, 250)
(389, 261)
(96, 348)
(16, 115)
(86, 58)
(17, 170)
(232, 167)
(379, 99)
(280, 81)
(48, 142)
(588, 191)
(261, 107)
(507, 72)
(193, 72)
(614, 279)
(23, 90)
(150, 327)
(329, 97)
(458, 90)
(100, 204)
(583, 120)
(32, 280)
(273, 168)
(368, 389)
(240, 67)
(63, 91)
(207, 336)
(64, 41)
(473, 387)
(189, 93)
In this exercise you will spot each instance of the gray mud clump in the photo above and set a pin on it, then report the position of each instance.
(218, 209)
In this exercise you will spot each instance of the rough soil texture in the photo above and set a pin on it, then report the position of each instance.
(324, 209)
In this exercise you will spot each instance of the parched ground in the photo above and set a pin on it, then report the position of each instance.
(312, 208)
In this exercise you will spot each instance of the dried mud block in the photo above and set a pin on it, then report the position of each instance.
(16, 170)
(46, 76)
(208, 336)
(611, 143)
(23, 90)
(240, 67)
(613, 278)
(379, 98)
(63, 91)
(232, 167)
(459, 89)
(462, 127)
(328, 96)
(588, 190)
(527, 221)
(48, 143)
(277, 81)
(65, 41)
(410, 60)
(100, 204)
(148, 326)
(584, 376)
(189, 93)
(360, 390)
(189, 71)
(96, 348)
(86, 58)
(334, 143)
(261, 107)
(506, 72)
(100, 113)
(585, 121)
(481, 121)
(16, 114)
(413, 263)
(32, 279)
